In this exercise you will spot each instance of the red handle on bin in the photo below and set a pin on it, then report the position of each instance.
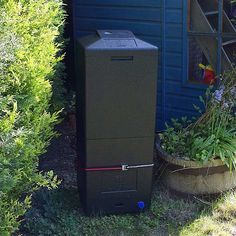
(103, 169)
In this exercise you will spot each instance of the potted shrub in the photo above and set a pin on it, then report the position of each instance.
(200, 154)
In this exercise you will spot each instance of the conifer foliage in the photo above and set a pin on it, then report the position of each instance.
(30, 59)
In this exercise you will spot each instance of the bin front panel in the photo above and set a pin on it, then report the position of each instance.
(120, 95)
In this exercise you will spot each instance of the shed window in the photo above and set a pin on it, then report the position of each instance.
(211, 39)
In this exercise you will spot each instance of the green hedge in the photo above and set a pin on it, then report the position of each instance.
(29, 64)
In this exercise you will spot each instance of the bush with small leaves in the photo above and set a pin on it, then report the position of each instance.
(30, 58)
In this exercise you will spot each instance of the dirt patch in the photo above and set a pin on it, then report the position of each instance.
(61, 155)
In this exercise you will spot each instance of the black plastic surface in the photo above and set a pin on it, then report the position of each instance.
(116, 104)
(115, 34)
(115, 192)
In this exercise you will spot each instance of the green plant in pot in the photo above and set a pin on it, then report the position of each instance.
(200, 154)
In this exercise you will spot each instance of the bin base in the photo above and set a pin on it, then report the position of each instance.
(116, 191)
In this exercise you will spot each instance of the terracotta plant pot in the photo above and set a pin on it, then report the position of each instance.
(191, 177)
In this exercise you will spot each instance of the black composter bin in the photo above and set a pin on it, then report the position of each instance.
(117, 75)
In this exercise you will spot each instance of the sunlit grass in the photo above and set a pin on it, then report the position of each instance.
(220, 220)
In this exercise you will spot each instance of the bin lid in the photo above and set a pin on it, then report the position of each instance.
(114, 40)
(115, 34)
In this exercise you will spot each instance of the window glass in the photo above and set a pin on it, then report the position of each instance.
(200, 62)
(205, 44)
(229, 16)
(203, 17)
(228, 53)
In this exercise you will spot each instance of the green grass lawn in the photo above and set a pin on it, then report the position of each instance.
(58, 212)
(218, 220)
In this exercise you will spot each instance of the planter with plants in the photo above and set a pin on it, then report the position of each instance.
(200, 154)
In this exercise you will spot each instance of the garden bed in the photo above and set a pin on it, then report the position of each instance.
(61, 156)
(58, 212)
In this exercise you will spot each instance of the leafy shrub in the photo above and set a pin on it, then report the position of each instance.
(29, 59)
(211, 136)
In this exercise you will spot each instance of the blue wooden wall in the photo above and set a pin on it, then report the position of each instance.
(160, 22)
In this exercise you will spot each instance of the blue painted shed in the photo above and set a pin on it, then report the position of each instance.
(164, 23)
